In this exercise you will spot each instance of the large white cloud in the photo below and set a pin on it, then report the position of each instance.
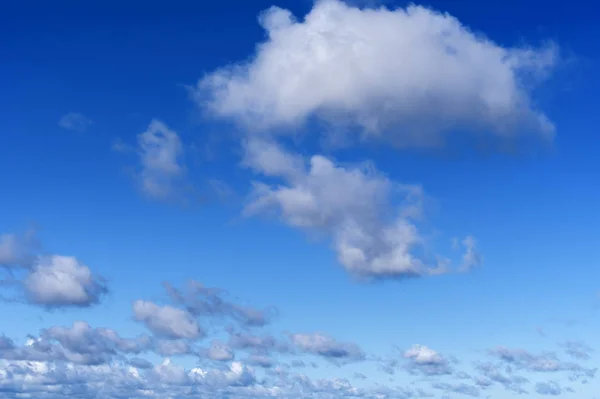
(411, 76)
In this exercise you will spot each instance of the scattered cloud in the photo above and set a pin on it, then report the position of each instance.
(220, 351)
(173, 347)
(426, 361)
(161, 157)
(327, 347)
(204, 301)
(259, 344)
(578, 350)
(63, 281)
(471, 257)
(463, 389)
(75, 121)
(371, 220)
(548, 388)
(166, 321)
(18, 250)
(407, 76)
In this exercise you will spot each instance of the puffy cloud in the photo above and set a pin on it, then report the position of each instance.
(237, 375)
(426, 361)
(79, 344)
(75, 121)
(203, 301)
(219, 351)
(327, 347)
(370, 219)
(161, 157)
(166, 321)
(548, 388)
(61, 281)
(409, 76)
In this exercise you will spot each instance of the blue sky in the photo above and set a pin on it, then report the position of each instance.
(297, 199)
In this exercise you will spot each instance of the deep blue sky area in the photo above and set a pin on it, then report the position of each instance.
(360, 199)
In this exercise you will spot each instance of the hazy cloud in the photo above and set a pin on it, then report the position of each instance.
(75, 121)
(161, 157)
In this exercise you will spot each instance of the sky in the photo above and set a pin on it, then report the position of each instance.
(258, 199)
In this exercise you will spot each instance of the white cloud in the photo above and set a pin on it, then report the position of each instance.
(426, 361)
(328, 347)
(410, 76)
(220, 351)
(166, 321)
(58, 281)
(355, 206)
(471, 257)
(75, 121)
(161, 157)
(17, 249)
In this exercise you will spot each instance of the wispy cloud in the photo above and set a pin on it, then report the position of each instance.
(75, 121)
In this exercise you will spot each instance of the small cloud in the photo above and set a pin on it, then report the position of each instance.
(578, 350)
(161, 158)
(118, 145)
(166, 321)
(548, 388)
(426, 361)
(220, 351)
(471, 257)
(327, 347)
(18, 249)
(62, 281)
(75, 121)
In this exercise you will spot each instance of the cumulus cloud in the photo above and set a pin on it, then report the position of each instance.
(161, 157)
(220, 351)
(82, 338)
(75, 121)
(409, 76)
(62, 281)
(327, 347)
(371, 220)
(166, 321)
(426, 361)
(79, 344)
(204, 301)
